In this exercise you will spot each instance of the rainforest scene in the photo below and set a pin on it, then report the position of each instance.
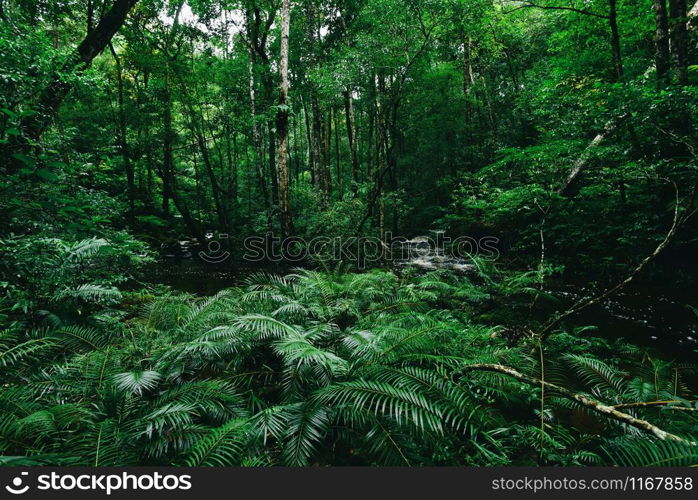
(348, 233)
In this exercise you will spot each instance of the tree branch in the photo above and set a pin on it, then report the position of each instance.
(53, 94)
(597, 406)
(612, 124)
(528, 5)
(586, 302)
(644, 404)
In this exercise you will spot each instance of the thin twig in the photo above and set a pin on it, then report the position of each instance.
(586, 302)
(642, 404)
(531, 5)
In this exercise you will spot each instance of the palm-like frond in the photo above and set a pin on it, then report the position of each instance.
(12, 355)
(597, 374)
(222, 447)
(643, 452)
(308, 368)
(84, 250)
(90, 293)
(306, 425)
(82, 338)
(137, 382)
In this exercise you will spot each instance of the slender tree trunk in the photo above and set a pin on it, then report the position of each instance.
(256, 137)
(197, 184)
(317, 145)
(232, 163)
(678, 34)
(317, 129)
(661, 42)
(271, 163)
(615, 39)
(123, 143)
(351, 136)
(488, 103)
(282, 120)
(468, 82)
(168, 175)
(167, 162)
(679, 38)
(216, 192)
(236, 162)
(337, 162)
(327, 155)
(370, 132)
(308, 140)
(297, 140)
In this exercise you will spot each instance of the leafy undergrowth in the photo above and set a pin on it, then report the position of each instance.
(318, 369)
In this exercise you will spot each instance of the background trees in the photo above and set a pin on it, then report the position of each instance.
(392, 107)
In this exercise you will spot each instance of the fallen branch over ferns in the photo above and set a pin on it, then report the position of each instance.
(592, 404)
(662, 404)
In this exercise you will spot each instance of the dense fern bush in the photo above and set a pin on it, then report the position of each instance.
(320, 368)
(38, 271)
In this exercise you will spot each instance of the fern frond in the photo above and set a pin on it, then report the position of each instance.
(223, 447)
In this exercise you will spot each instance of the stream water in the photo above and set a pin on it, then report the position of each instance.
(662, 318)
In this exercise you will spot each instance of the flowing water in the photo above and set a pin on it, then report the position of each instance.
(661, 318)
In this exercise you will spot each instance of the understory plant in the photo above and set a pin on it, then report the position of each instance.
(328, 368)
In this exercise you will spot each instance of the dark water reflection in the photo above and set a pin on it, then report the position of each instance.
(662, 318)
(658, 317)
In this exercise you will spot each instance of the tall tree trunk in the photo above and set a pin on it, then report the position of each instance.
(198, 131)
(337, 159)
(168, 177)
(167, 161)
(282, 120)
(256, 137)
(370, 132)
(661, 42)
(351, 136)
(51, 96)
(94, 43)
(317, 145)
(297, 145)
(308, 140)
(123, 143)
(317, 129)
(327, 155)
(271, 167)
(488, 103)
(468, 82)
(168, 174)
(236, 162)
(678, 33)
(615, 39)
(231, 152)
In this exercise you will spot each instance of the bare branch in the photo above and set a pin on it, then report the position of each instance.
(529, 5)
(586, 401)
(645, 404)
